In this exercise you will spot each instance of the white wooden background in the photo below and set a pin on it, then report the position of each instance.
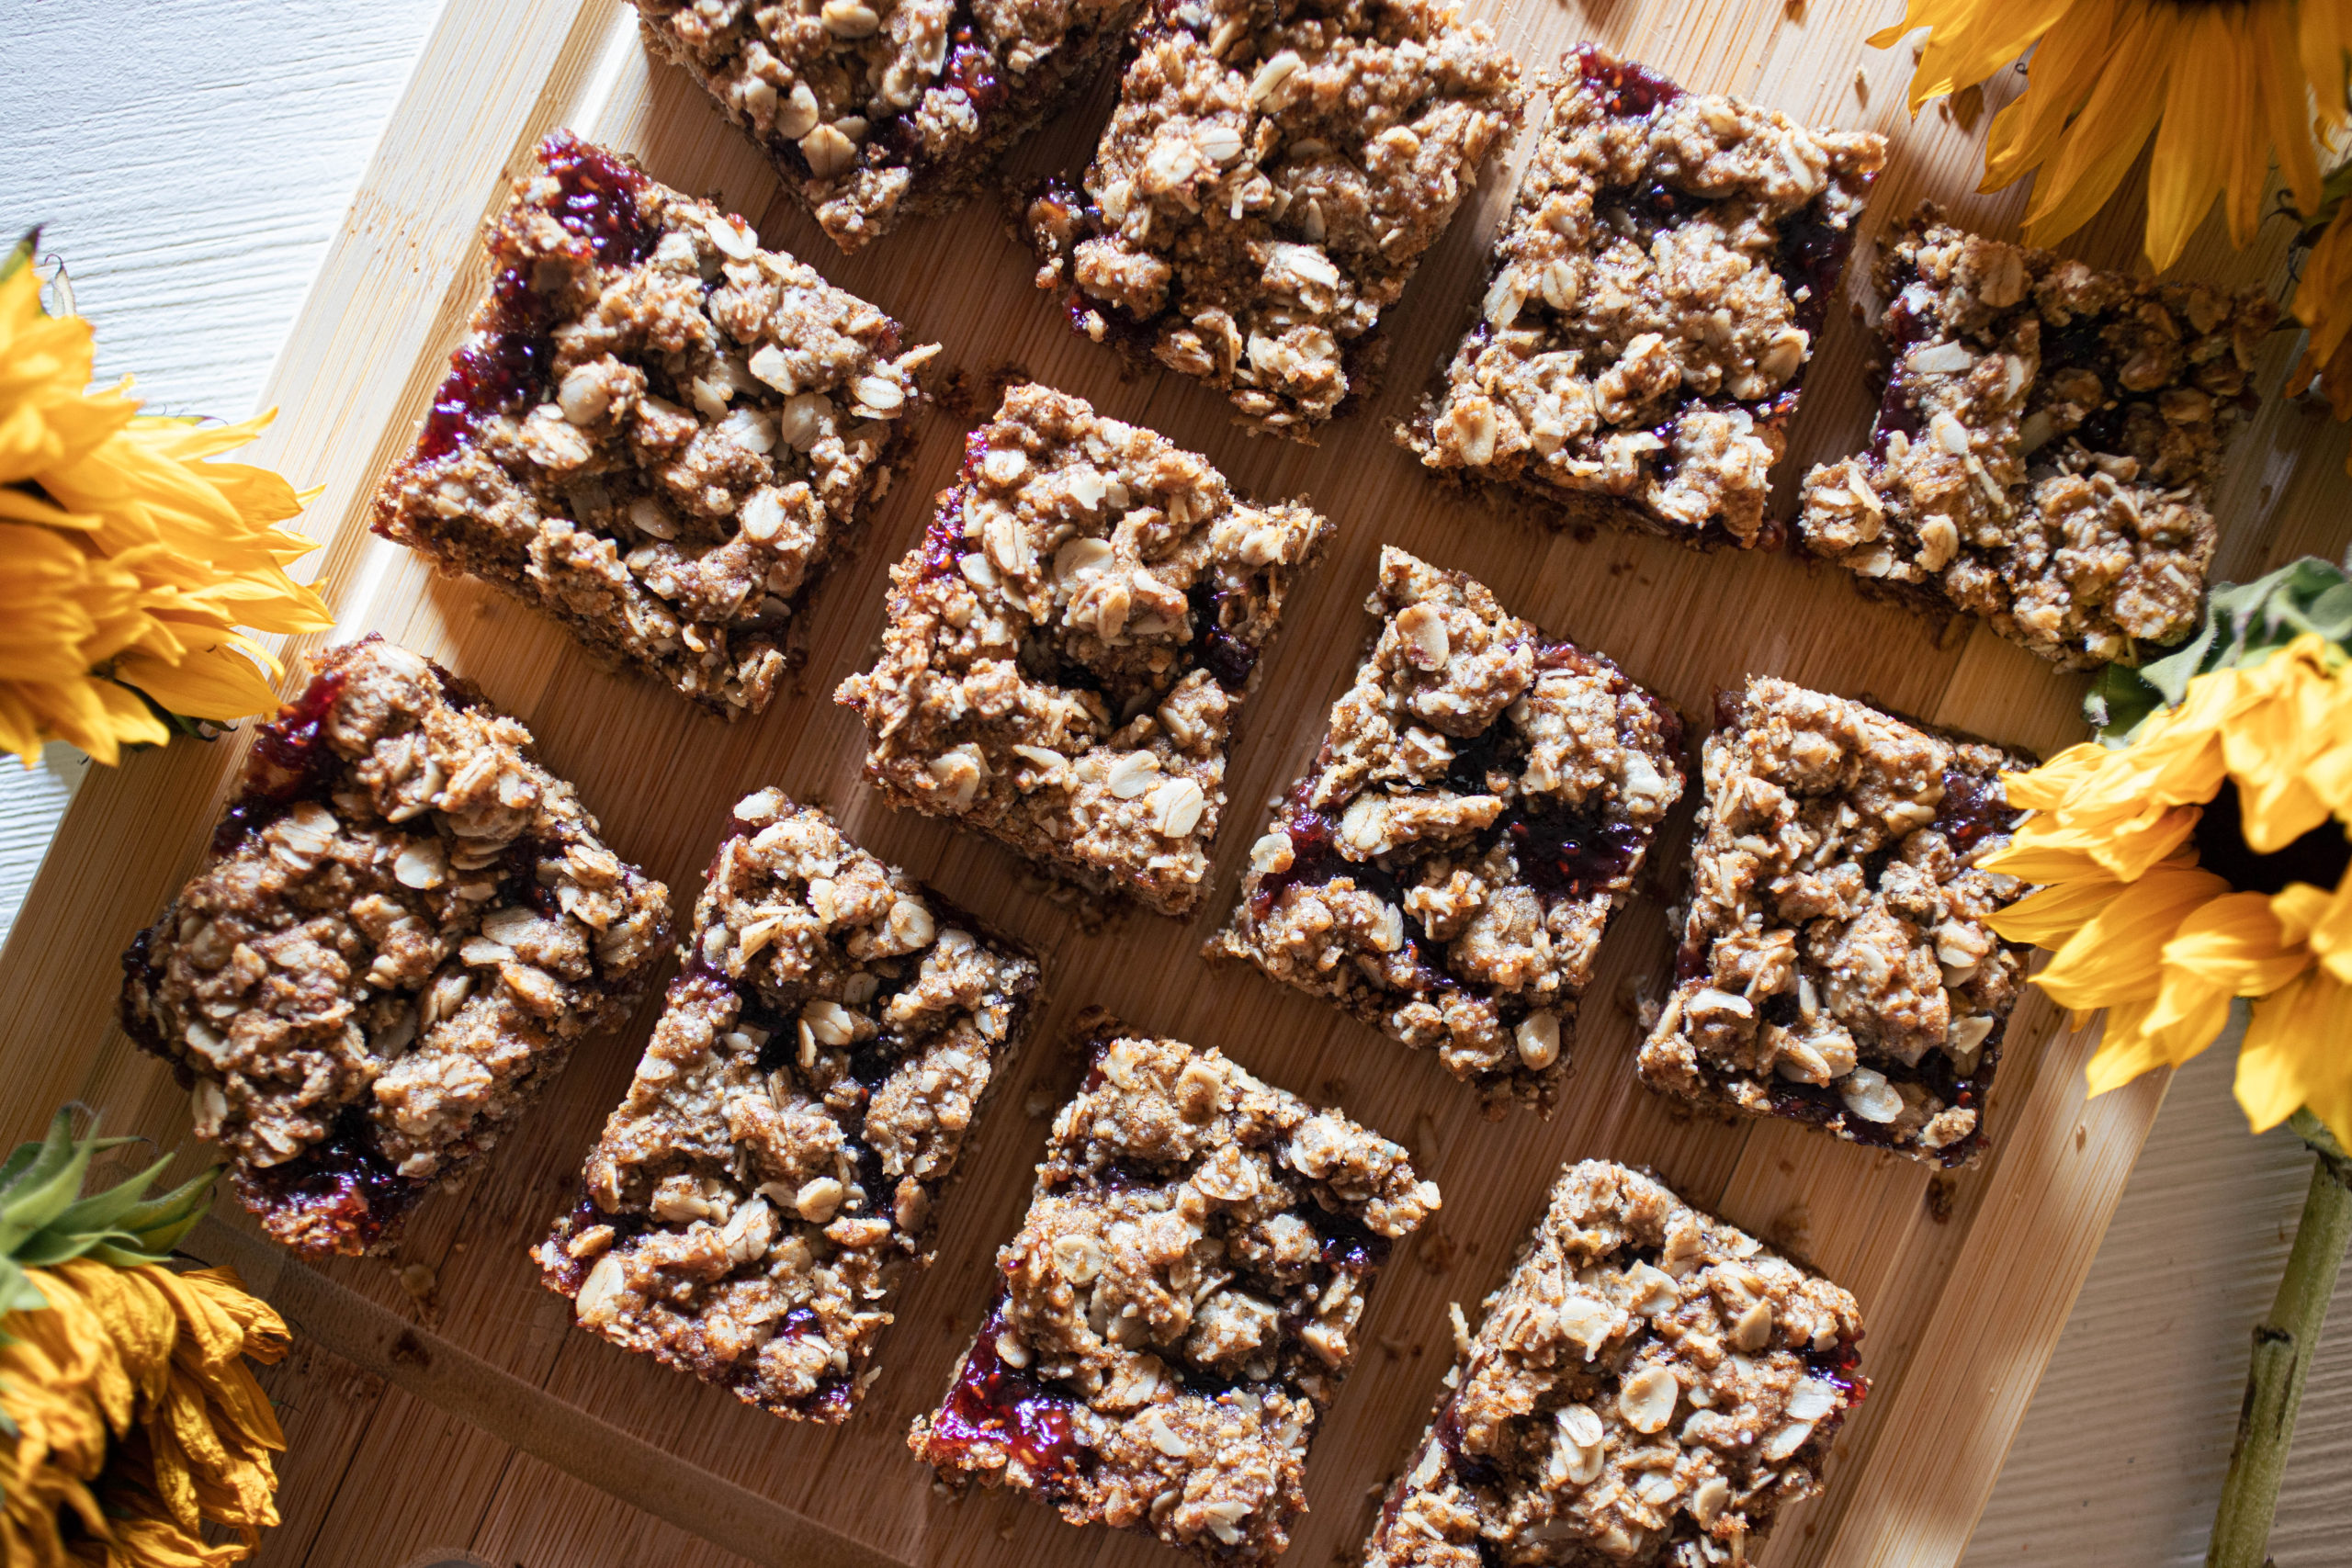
(190, 159)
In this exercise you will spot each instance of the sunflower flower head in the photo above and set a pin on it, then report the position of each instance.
(129, 1421)
(127, 563)
(2198, 854)
(2223, 88)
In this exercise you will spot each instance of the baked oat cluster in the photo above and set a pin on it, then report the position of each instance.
(876, 112)
(1274, 173)
(404, 926)
(656, 432)
(1655, 294)
(1836, 964)
(2046, 450)
(1650, 1386)
(1067, 648)
(1180, 1304)
(1481, 806)
(771, 1179)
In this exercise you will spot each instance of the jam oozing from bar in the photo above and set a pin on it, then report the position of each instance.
(344, 1180)
(597, 202)
(1975, 809)
(1809, 257)
(290, 761)
(1001, 1406)
(1624, 87)
(1562, 851)
(1935, 1072)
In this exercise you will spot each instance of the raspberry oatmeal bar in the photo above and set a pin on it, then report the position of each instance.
(1270, 180)
(1180, 1304)
(1837, 966)
(876, 112)
(2048, 444)
(1481, 804)
(403, 927)
(656, 432)
(1067, 648)
(1650, 1386)
(1657, 291)
(773, 1177)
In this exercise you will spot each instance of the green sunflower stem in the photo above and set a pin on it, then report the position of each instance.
(2284, 1344)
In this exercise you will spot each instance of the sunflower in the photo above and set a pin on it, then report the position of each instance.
(2223, 85)
(126, 562)
(2203, 860)
(128, 1421)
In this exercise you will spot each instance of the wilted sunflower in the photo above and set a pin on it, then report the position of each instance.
(128, 1421)
(2223, 85)
(2203, 858)
(126, 563)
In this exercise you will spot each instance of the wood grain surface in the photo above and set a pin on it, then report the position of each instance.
(486, 1422)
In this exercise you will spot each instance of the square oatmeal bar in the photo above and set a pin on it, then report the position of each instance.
(1068, 647)
(773, 1177)
(1655, 294)
(1650, 1386)
(1836, 965)
(656, 432)
(876, 111)
(1481, 806)
(1270, 180)
(2047, 447)
(404, 925)
(1182, 1301)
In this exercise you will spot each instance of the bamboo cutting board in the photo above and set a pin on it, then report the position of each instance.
(443, 1404)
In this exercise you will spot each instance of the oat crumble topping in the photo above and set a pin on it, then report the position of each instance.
(1655, 297)
(1273, 176)
(2046, 450)
(1481, 806)
(1067, 648)
(1837, 966)
(404, 926)
(1180, 1304)
(656, 432)
(1650, 1386)
(876, 112)
(772, 1176)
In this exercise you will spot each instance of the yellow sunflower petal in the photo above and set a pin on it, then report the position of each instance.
(2329, 931)
(2117, 956)
(213, 683)
(2294, 1055)
(2127, 1048)
(2104, 139)
(2047, 788)
(1969, 42)
(2066, 66)
(2200, 139)
(2281, 99)
(2238, 944)
(2048, 915)
(2326, 40)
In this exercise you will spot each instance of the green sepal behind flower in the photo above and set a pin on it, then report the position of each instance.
(45, 1221)
(2244, 623)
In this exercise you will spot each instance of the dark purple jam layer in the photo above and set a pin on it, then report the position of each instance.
(1563, 853)
(996, 1406)
(599, 202)
(343, 1181)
